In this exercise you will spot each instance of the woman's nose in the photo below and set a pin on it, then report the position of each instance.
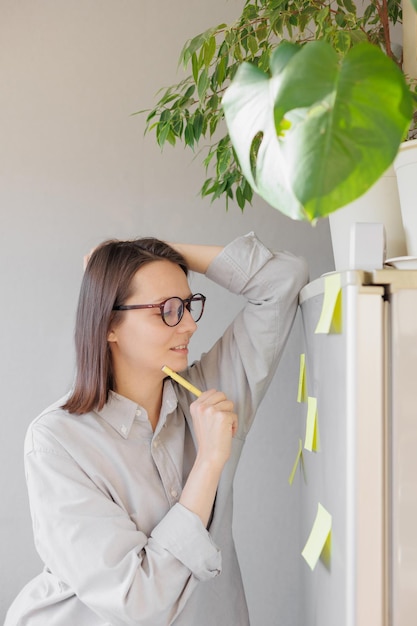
(187, 323)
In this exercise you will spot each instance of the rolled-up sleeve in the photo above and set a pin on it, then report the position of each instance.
(182, 534)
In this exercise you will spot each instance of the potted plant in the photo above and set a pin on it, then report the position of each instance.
(331, 88)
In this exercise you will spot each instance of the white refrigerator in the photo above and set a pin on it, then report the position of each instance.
(360, 374)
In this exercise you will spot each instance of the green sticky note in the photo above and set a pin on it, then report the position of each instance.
(302, 381)
(319, 541)
(331, 313)
(312, 440)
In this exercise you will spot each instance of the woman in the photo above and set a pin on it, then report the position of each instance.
(130, 477)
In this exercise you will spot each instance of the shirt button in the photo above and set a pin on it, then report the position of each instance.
(124, 429)
(174, 493)
(138, 413)
(155, 443)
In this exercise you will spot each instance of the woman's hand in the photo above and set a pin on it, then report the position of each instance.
(215, 424)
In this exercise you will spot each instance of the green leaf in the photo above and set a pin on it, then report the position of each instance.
(240, 198)
(182, 102)
(262, 31)
(356, 36)
(209, 50)
(221, 70)
(209, 187)
(203, 83)
(208, 159)
(189, 135)
(223, 161)
(198, 125)
(322, 15)
(237, 53)
(247, 191)
(341, 123)
(350, 6)
(282, 56)
(213, 102)
(342, 41)
(244, 39)
(213, 125)
(171, 138)
(253, 45)
(195, 67)
(151, 115)
(190, 48)
(340, 19)
(165, 115)
(162, 132)
(194, 44)
(177, 123)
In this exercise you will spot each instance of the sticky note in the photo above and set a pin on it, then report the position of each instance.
(331, 313)
(302, 380)
(298, 461)
(319, 542)
(312, 440)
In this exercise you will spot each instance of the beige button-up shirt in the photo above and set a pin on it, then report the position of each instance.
(118, 548)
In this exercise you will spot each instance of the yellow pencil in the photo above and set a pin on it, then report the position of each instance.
(181, 380)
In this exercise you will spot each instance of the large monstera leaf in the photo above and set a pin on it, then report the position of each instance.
(321, 129)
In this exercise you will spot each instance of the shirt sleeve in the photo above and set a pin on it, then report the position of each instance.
(90, 543)
(243, 361)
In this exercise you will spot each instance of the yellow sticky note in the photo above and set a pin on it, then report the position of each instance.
(331, 313)
(302, 380)
(298, 461)
(319, 542)
(312, 439)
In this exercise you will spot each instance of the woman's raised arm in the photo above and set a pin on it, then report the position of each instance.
(198, 257)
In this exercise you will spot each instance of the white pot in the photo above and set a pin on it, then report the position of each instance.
(405, 165)
(379, 204)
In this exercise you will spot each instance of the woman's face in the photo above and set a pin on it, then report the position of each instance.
(142, 343)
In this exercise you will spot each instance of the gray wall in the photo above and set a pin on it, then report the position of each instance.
(75, 168)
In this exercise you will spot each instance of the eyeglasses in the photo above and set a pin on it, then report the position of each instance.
(172, 309)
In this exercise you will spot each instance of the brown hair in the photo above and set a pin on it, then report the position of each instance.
(107, 282)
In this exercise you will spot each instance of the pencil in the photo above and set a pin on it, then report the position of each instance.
(181, 380)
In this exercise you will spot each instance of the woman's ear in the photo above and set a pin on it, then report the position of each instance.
(111, 336)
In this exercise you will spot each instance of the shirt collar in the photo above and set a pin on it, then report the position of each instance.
(120, 412)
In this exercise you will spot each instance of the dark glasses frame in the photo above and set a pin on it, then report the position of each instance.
(186, 304)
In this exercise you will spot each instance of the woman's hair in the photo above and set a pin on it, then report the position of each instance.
(107, 282)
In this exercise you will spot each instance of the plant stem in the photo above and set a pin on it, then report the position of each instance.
(382, 8)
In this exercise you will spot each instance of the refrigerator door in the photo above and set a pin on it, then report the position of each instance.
(346, 474)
